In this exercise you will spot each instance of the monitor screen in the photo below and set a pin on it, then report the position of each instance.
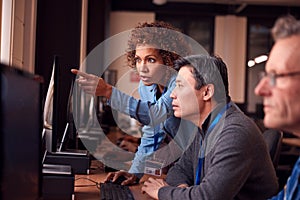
(58, 121)
(20, 135)
(49, 140)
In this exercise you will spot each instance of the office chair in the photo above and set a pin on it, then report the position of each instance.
(273, 139)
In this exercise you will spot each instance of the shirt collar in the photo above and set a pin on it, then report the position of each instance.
(212, 115)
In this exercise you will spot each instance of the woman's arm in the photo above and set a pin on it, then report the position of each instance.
(145, 110)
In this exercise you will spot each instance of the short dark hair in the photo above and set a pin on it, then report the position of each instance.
(208, 70)
(286, 26)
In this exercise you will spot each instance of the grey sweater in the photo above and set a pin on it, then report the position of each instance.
(237, 164)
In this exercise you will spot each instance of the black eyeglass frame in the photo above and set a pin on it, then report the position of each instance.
(273, 76)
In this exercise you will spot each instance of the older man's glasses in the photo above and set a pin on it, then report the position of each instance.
(272, 76)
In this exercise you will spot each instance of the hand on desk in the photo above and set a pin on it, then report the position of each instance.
(151, 186)
(93, 84)
(113, 176)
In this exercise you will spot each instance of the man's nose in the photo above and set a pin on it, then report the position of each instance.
(262, 88)
(173, 95)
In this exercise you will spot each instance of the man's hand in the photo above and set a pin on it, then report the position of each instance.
(113, 176)
(92, 84)
(151, 186)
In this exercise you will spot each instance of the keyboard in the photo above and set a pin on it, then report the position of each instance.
(113, 191)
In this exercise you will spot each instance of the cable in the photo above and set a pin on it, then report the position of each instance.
(97, 184)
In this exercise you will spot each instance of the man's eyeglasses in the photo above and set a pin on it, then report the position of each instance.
(272, 76)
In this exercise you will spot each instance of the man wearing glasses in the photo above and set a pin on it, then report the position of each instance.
(280, 89)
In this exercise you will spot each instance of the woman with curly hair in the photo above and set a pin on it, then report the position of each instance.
(152, 51)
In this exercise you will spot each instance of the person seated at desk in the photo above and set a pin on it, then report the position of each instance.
(228, 158)
(280, 89)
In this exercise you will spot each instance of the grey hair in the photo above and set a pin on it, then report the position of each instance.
(285, 27)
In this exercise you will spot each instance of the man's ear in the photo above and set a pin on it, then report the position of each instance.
(209, 92)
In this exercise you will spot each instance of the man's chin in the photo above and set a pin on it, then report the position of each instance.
(177, 114)
(270, 123)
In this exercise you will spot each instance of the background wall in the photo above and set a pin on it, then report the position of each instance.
(126, 76)
(230, 44)
(18, 30)
(108, 17)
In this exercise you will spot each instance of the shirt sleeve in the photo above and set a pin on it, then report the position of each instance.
(146, 111)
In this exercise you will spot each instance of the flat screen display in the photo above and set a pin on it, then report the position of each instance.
(20, 136)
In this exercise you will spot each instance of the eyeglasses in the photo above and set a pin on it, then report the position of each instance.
(272, 76)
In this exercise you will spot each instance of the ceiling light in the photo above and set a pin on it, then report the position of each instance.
(260, 59)
(251, 63)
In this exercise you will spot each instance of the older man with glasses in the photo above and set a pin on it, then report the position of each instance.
(280, 89)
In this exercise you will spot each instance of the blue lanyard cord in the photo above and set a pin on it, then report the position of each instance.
(217, 118)
(199, 167)
(202, 146)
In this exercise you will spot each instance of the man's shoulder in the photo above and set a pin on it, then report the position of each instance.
(237, 116)
(240, 122)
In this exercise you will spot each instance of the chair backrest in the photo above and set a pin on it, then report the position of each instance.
(273, 138)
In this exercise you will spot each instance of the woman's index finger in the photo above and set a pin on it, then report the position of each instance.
(80, 73)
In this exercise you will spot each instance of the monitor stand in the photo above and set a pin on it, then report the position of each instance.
(79, 160)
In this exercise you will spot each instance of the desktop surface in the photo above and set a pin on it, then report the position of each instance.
(86, 185)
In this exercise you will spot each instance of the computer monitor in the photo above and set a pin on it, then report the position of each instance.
(58, 120)
(20, 134)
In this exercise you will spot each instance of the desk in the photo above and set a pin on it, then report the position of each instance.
(85, 189)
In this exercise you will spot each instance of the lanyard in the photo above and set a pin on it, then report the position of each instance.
(202, 148)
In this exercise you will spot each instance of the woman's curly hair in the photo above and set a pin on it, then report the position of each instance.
(167, 39)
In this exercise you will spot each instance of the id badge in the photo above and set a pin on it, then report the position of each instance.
(153, 167)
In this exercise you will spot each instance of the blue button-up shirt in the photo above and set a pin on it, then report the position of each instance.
(292, 188)
(149, 111)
